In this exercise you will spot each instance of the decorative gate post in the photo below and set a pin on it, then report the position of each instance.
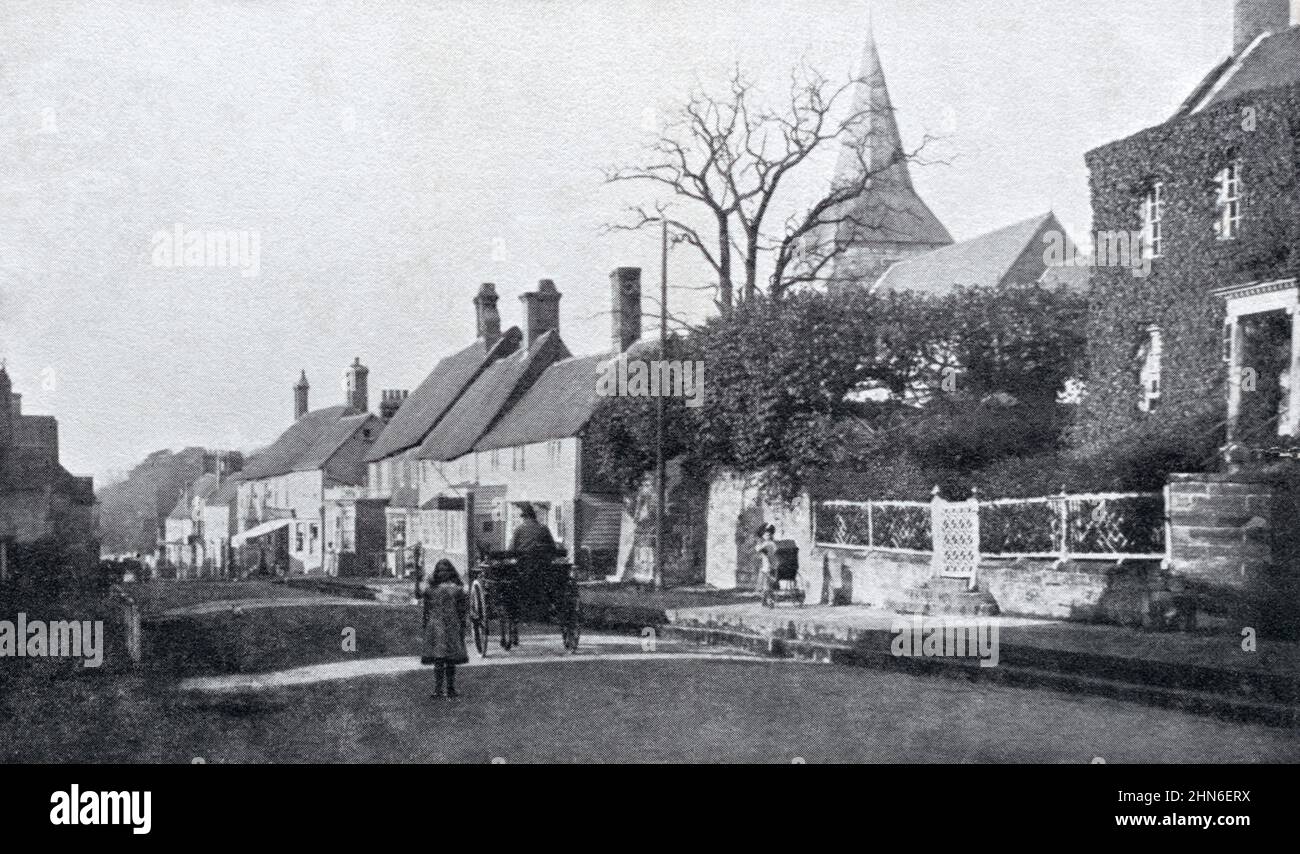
(955, 532)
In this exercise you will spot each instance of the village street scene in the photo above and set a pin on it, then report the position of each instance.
(891, 382)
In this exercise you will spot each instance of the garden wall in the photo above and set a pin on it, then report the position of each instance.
(1105, 591)
(737, 508)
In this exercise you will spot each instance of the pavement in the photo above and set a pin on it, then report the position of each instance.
(1206, 672)
(228, 605)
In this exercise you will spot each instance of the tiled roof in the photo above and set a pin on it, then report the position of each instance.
(296, 443)
(204, 486)
(1275, 61)
(488, 396)
(982, 261)
(426, 406)
(558, 405)
(332, 438)
(226, 494)
(181, 510)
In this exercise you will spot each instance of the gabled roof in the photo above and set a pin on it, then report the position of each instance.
(299, 442)
(333, 437)
(226, 494)
(890, 211)
(426, 406)
(557, 406)
(1270, 62)
(495, 390)
(1015, 251)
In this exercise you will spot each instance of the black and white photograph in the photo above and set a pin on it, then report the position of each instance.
(786, 382)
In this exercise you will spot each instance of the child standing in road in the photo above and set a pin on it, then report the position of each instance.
(446, 607)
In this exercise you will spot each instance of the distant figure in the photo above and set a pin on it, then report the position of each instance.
(446, 607)
(417, 567)
(766, 550)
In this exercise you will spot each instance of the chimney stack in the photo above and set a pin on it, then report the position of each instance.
(357, 391)
(541, 311)
(625, 302)
(486, 318)
(6, 412)
(300, 397)
(1252, 18)
(391, 400)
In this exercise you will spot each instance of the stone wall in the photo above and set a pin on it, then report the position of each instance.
(1234, 544)
(737, 508)
(1105, 591)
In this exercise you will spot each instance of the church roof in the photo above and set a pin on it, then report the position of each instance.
(1014, 253)
(890, 211)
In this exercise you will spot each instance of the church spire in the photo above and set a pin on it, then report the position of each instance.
(888, 221)
(876, 133)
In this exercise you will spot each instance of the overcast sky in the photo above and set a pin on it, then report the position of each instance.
(390, 156)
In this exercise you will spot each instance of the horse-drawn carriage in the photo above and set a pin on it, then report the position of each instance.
(507, 588)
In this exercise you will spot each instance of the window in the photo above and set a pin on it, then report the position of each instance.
(554, 449)
(519, 459)
(1227, 222)
(495, 459)
(298, 537)
(558, 513)
(1150, 354)
(1153, 209)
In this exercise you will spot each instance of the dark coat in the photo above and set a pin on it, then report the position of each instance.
(446, 609)
(533, 539)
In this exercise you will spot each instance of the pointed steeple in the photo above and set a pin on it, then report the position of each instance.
(889, 221)
(877, 130)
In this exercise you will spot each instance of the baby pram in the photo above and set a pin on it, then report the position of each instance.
(786, 584)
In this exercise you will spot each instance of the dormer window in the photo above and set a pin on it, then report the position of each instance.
(1150, 356)
(1153, 211)
(1227, 222)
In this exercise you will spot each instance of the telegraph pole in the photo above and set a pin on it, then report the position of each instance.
(659, 412)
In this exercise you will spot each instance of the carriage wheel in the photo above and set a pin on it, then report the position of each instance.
(571, 630)
(478, 617)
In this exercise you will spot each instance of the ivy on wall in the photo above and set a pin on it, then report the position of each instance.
(1262, 131)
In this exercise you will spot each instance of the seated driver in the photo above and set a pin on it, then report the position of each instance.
(535, 547)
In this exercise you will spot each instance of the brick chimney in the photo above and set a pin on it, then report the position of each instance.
(1252, 18)
(487, 319)
(358, 392)
(6, 411)
(625, 304)
(541, 311)
(300, 397)
(391, 400)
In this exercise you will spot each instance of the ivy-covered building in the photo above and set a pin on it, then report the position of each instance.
(1205, 348)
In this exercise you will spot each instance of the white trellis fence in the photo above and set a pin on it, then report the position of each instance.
(957, 534)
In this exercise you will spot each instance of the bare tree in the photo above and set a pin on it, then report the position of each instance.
(726, 159)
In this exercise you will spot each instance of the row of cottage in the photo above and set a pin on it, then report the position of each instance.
(344, 490)
(1212, 191)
